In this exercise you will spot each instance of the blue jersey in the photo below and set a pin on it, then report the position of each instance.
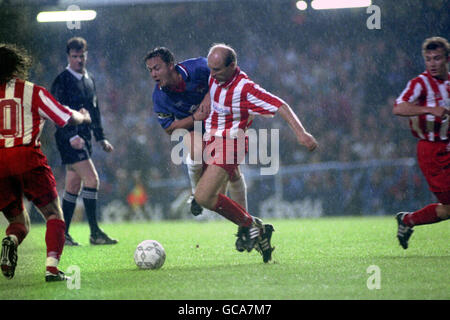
(175, 105)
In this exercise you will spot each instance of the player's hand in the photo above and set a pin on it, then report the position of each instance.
(77, 142)
(439, 111)
(308, 141)
(202, 111)
(86, 114)
(108, 147)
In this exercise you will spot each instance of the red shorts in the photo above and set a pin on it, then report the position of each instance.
(434, 161)
(37, 185)
(225, 153)
(17, 160)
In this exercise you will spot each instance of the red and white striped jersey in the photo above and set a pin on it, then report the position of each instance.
(425, 90)
(24, 107)
(235, 103)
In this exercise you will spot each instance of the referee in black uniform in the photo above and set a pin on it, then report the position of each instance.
(75, 87)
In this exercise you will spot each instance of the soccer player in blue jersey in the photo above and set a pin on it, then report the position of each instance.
(180, 98)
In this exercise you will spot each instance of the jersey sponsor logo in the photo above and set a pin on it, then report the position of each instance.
(164, 115)
(221, 108)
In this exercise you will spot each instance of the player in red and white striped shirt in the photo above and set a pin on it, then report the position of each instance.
(24, 170)
(426, 100)
(235, 101)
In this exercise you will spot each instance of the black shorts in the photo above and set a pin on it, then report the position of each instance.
(70, 155)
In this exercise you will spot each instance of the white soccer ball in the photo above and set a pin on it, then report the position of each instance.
(149, 254)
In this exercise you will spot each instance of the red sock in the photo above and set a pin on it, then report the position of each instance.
(17, 229)
(425, 215)
(233, 211)
(54, 238)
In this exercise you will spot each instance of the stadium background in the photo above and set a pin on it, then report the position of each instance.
(339, 76)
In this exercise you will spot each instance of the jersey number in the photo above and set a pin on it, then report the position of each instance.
(10, 118)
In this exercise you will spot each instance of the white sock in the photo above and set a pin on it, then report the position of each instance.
(195, 172)
(51, 262)
(238, 191)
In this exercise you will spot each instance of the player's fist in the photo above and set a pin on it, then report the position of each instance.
(202, 112)
(77, 142)
(108, 147)
(308, 141)
(86, 115)
(439, 111)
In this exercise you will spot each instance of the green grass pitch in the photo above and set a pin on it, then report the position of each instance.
(326, 258)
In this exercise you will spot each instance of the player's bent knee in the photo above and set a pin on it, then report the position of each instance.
(205, 201)
(92, 182)
(52, 210)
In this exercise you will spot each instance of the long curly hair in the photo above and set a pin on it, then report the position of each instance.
(14, 62)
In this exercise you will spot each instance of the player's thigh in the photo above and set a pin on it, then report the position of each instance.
(72, 181)
(39, 186)
(11, 195)
(86, 171)
(12, 207)
(210, 184)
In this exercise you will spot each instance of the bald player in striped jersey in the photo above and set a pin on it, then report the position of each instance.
(235, 101)
(24, 170)
(180, 98)
(426, 101)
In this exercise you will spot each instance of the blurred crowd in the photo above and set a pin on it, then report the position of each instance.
(342, 88)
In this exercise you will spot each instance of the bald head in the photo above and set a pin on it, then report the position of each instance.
(222, 62)
(224, 52)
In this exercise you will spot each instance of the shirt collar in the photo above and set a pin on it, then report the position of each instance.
(436, 79)
(182, 70)
(77, 75)
(229, 82)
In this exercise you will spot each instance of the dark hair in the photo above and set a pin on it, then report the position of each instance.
(165, 54)
(14, 62)
(76, 43)
(434, 43)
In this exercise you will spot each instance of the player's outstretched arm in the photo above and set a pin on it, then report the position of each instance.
(303, 137)
(407, 109)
